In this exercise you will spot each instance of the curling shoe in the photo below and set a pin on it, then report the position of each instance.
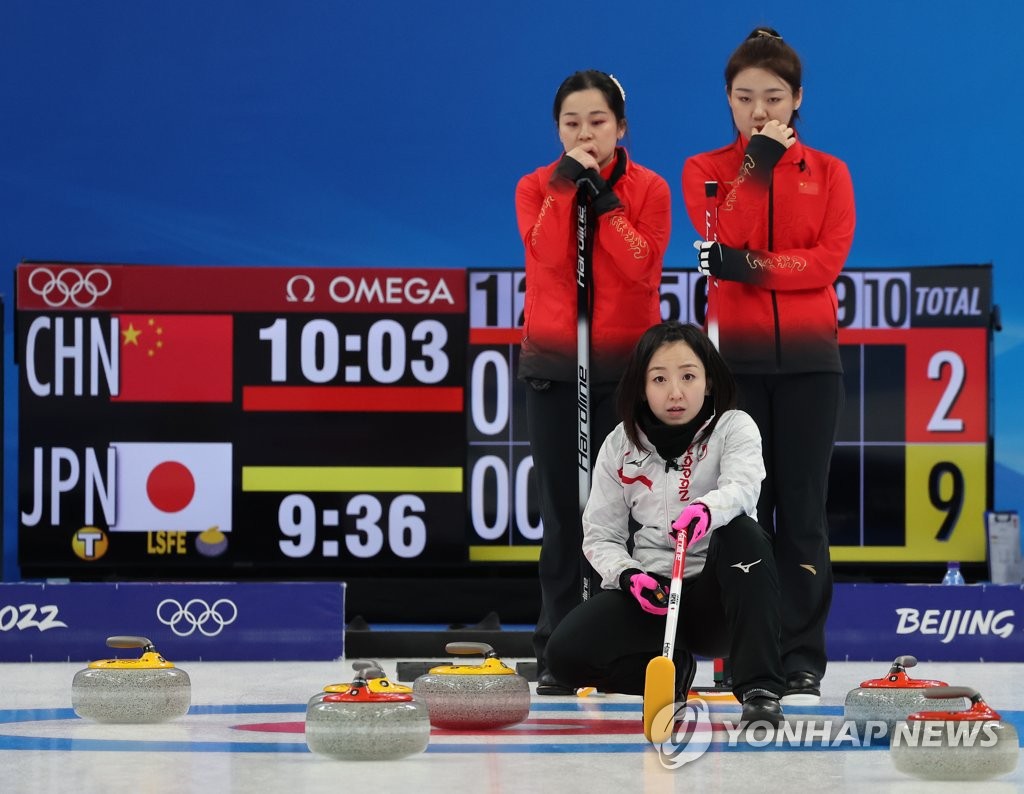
(762, 708)
(802, 689)
(686, 670)
(548, 685)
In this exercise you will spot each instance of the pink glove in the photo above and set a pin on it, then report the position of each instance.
(697, 517)
(646, 590)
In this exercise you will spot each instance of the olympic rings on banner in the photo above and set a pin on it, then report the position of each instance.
(69, 284)
(197, 614)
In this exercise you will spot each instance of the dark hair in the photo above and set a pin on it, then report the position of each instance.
(631, 394)
(765, 49)
(592, 78)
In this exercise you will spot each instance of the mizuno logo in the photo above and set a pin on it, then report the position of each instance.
(638, 461)
(745, 566)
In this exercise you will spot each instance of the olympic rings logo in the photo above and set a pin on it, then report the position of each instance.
(69, 285)
(197, 614)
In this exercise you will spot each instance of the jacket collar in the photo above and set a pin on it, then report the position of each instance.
(648, 443)
(616, 168)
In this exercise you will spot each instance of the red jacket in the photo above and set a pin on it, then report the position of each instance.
(793, 222)
(629, 244)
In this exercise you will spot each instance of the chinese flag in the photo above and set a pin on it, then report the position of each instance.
(175, 358)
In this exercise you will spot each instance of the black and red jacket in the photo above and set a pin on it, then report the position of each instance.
(629, 245)
(788, 215)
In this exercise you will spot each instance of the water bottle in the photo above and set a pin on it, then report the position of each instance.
(953, 575)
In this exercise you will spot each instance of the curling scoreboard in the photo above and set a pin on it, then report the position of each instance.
(262, 421)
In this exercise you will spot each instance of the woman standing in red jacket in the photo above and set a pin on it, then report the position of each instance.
(631, 218)
(785, 225)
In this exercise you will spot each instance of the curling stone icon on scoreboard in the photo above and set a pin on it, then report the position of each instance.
(147, 689)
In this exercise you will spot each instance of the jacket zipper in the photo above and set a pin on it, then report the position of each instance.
(771, 247)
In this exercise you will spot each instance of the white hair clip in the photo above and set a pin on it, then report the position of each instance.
(619, 86)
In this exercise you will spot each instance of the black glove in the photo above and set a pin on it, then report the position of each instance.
(709, 257)
(569, 169)
(730, 264)
(763, 153)
(602, 197)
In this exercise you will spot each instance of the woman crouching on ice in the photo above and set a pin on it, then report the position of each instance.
(682, 455)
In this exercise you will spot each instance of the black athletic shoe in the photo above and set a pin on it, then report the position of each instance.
(802, 689)
(547, 685)
(686, 669)
(761, 708)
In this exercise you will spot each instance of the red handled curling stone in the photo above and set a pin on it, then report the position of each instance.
(481, 696)
(376, 681)
(364, 723)
(893, 697)
(147, 689)
(975, 744)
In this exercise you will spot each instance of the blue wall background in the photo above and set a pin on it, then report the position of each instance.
(392, 134)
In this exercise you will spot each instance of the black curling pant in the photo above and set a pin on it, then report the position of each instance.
(798, 416)
(730, 609)
(553, 419)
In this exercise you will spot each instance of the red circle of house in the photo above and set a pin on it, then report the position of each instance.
(170, 486)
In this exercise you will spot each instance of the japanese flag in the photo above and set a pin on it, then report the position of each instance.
(172, 487)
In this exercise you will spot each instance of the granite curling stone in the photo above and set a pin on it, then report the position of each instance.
(975, 744)
(376, 681)
(364, 723)
(147, 689)
(482, 696)
(893, 698)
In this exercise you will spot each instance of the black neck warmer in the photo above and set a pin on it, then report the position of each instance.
(671, 442)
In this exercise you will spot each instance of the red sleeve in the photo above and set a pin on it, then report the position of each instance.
(544, 221)
(634, 245)
(742, 210)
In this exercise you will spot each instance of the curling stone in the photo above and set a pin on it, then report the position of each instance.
(147, 689)
(893, 697)
(376, 681)
(464, 696)
(975, 744)
(212, 542)
(361, 724)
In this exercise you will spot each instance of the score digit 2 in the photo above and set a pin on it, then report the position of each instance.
(925, 482)
(947, 427)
